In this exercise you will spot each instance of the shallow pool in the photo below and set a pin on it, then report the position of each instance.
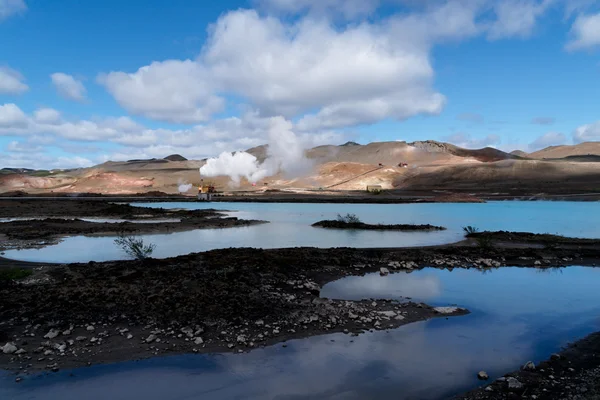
(517, 315)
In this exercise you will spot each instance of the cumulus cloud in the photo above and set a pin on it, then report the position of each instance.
(11, 117)
(11, 81)
(548, 139)
(587, 133)
(543, 120)
(68, 87)
(516, 18)
(47, 116)
(468, 142)
(585, 32)
(172, 90)
(9, 8)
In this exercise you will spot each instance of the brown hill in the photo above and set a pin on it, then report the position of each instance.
(175, 157)
(421, 165)
(581, 149)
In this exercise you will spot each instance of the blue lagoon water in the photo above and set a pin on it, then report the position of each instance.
(290, 226)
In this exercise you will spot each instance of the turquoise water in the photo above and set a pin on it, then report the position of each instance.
(290, 227)
(517, 315)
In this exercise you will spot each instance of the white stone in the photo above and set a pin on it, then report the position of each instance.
(388, 313)
(514, 383)
(51, 334)
(129, 336)
(529, 366)
(198, 340)
(90, 328)
(9, 348)
(483, 375)
(151, 338)
(446, 310)
(384, 271)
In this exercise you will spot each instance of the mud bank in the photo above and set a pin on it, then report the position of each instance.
(573, 373)
(223, 300)
(48, 220)
(335, 224)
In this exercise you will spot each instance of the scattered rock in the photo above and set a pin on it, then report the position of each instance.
(513, 383)
(482, 375)
(90, 328)
(384, 271)
(9, 348)
(529, 366)
(51, 334)
(198, 340)
(446, 310)
(151, 338)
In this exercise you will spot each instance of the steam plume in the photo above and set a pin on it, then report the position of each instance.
(185, 187)
(285, 154)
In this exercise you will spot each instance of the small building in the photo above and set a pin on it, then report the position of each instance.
(204, 196)
(374, 188)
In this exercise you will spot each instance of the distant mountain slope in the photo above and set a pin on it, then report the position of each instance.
(519, 153)
(581, 149)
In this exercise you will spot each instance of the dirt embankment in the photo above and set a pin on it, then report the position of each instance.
(335, 224)
(50, 219)
(222, 300)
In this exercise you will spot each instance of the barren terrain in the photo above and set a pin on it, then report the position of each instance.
(397, 167)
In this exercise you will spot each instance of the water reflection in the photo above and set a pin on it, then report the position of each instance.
(290, 227)
(518, 315)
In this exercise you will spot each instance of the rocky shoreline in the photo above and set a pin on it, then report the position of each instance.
(37, 223)
(573, 373)
(66, 316)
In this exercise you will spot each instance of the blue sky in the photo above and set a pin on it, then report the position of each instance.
(84, 82)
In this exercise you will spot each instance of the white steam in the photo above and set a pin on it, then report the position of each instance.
(285, 154)
(185, 187)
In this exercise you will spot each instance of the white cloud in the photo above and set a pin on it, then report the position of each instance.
(358, 75)
(21, 147)
(585, 32)
(516, 18)
(68, 87)
(548, 139)
(172, 90)
(47, 116)
(466, 141)
(11, 117)
(9, 8)
(11, 81)
(587, 133)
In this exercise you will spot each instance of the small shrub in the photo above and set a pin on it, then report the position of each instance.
(349, 219)
(470, 230)
(135, 247)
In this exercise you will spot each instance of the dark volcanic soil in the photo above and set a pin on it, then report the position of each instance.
(234, 299)
(334, 224)
(54, 220)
